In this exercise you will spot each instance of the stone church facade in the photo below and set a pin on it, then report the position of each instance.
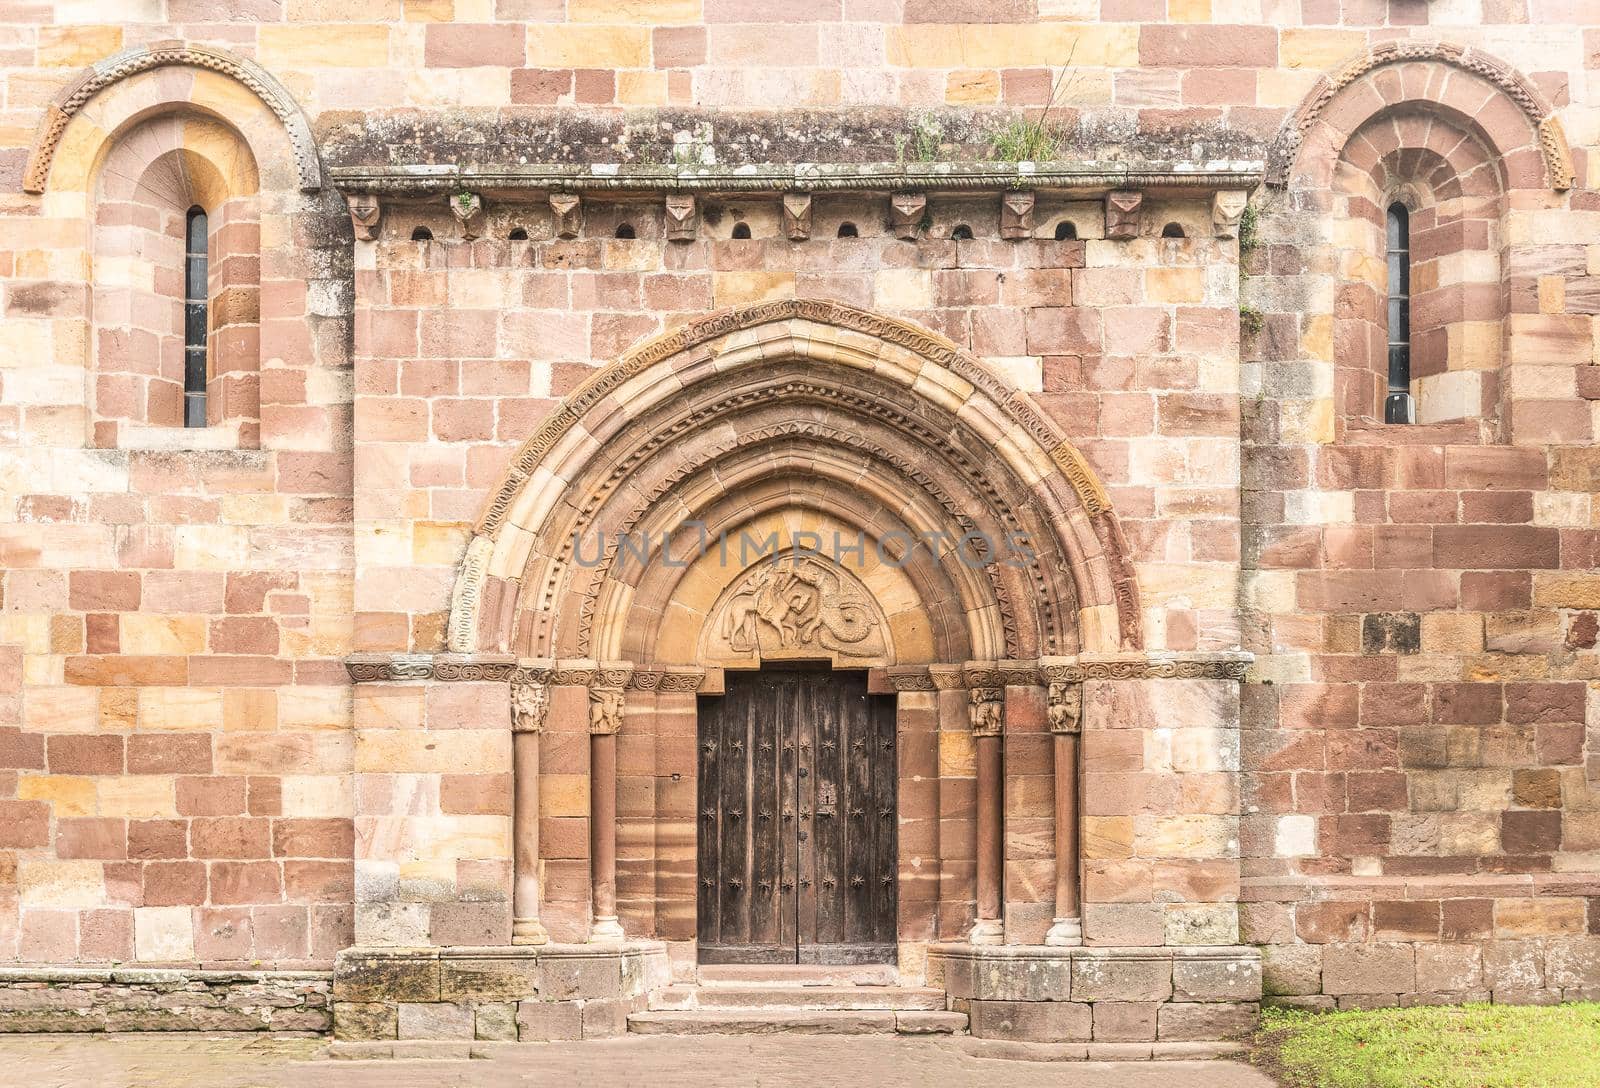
(512, 507)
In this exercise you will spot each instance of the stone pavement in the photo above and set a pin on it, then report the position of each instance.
(215, 1061)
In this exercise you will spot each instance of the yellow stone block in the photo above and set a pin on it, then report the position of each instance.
(1108, 836)
(1189, 11)
(77, 46)
(958, 755)
(563, 795)
(558, 46)
(647, 12)
(429, 11)
(119, 709)
(738, 288)
(1174, 284)
(968, 88)
(1186, 836)
(1011, 45)
(1452, 632)
(154, 634)
(135, 796)
(903, 289)
(249, 709)
(1318, 49)
(642, 88)
(61, 885)
(180, 708)
(1541, 917)
(330, 45)
(1566, 590)
(388, 707)
(305, 706)
(72, 795)
(438, 543)
(254, 509)
(66, 709)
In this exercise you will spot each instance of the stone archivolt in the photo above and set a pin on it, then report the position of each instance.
(795, 411)
(130, 62)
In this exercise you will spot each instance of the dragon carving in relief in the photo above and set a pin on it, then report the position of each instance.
(805, 603)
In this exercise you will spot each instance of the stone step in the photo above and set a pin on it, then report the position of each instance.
(797, 974)
(752, 996)
(774, 1021)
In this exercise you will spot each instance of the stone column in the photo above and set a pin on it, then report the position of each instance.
(530, 700)
(1066, 716)
(605, 719)
(986, 702)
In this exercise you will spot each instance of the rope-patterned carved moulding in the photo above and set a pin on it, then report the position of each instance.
(130, 62)
(432, 178)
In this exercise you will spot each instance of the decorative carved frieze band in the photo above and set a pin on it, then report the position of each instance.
(910, 678)
(130, 62)
(870, 177)
(374, 668)
(1520, 90)
(670, 678)
(1222, 665)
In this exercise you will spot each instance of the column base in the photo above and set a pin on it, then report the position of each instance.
(1065, 932)
(987, 931)
(528, 931)
(606, 930)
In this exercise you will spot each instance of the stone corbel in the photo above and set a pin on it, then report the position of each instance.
(1122, 213)
(797, 216)
(1016, 216)
(566, 209)
(468, 210)
(683, 217)
(906, 211)
(1227, 208)
(366, 212)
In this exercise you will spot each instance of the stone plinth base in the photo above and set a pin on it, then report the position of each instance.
(1039, 993)
(508, 994)
(162, 999)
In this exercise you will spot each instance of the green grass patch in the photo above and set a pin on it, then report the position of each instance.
(1452, 1046)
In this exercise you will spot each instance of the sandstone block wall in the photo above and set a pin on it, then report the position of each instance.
(182, 764)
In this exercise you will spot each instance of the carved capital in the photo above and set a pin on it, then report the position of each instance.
(683, 217)
(797, 216)
(986, 711)
(530, 700)
(606, 696)
(1016, 216)
(905, 214)
(566, 210)
(365, 214)
(1122, 213)
(1065, 706)
(1227, 208)
(468, 210)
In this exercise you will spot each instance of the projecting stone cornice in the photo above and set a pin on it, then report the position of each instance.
(424, 179)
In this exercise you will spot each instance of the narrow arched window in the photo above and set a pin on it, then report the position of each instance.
(1397, 406)
(196, 316)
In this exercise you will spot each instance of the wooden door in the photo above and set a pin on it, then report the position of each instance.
(796, 829)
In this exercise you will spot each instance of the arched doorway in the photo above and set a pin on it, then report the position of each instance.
(796, 481)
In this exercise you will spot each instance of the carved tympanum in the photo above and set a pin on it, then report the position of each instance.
(794, 605)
